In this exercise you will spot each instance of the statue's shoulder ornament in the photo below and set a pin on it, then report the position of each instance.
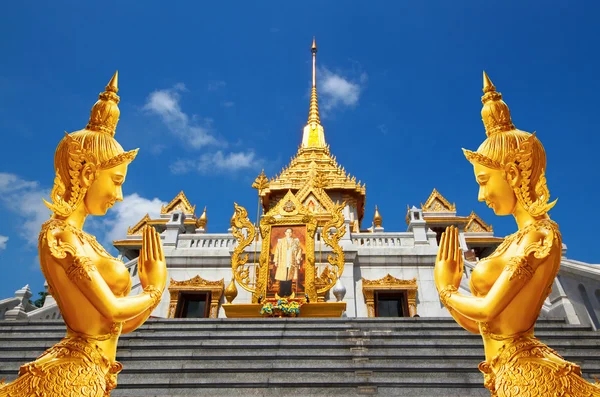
(62, 239)
(535, 245)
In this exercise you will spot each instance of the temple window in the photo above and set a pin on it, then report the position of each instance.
(195, 298)
(193, 305)
(390, 297)
(391, 304)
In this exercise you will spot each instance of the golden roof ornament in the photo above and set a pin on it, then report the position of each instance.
(105, 113)
(377, 220)
(313, 113)
(203, 220)
(231, 291)
(495, 113)
(314, 135)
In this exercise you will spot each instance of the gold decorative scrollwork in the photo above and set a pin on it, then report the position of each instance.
(241, 272)
(332, 239)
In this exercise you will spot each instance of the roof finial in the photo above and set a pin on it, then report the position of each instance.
(377, 220)
(314, 135)
(313, 113)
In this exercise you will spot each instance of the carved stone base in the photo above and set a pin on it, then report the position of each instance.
(318, 309)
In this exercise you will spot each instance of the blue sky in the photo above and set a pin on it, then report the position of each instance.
(213, 93)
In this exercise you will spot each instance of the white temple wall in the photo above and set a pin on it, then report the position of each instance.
(581, 284)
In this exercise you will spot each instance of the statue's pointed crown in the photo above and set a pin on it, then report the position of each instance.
(495, 113)
(105, 113)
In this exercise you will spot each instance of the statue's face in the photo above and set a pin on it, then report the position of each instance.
(288, 233)
(495, 190)
(105, 190)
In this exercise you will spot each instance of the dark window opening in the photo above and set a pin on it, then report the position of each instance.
(391, 304)
(193, 305)
(438, 233)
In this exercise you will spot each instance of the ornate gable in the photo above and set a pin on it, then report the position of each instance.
(477, 225)
(313, 196)
(137, 229)
(180, 202)
(288, 205)
(437, 203)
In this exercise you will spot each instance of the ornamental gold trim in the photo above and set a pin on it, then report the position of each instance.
(138, 227)
(390, 283)
(289, 211)
(180, 202)
(477, 225)
(331, 234)
(239, 259)
(196, 284)
(437, 203)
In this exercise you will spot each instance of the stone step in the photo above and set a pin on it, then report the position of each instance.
(281, 364)
(275, 323)
(325, 354)
(15, 335)
(298, 357)
(289, 390)
(179, 342)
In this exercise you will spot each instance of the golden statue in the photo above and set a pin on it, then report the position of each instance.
(91, 287)
(509, 286)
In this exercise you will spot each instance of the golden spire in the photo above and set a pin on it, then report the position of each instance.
(377, 220)
(495, 113)
(105, 113)
(314, 135)
(313, 113)
(203, 220)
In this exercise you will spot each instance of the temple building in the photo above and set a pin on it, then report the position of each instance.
(311, 244)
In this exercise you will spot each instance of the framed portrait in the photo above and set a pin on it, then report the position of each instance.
(287, 258)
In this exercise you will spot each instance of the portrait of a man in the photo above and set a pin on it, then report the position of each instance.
(287, 262)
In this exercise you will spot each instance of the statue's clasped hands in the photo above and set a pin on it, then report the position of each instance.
(152, 266)
(449, 263)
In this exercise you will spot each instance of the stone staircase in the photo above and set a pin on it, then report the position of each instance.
(298, 357)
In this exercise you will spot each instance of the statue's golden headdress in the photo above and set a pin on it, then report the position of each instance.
(506, 145)
(94, 146)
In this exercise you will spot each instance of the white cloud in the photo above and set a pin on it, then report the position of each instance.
(127, 213)
(24, 198)
(337, 90)
(196, 132)
(228, 104)
(217, 162)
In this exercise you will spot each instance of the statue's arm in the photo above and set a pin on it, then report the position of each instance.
(516, 274)
(465, 322)
(67, 251)
(134, 323)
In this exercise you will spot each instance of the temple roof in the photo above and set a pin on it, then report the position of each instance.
(180, 202)
(312, 161)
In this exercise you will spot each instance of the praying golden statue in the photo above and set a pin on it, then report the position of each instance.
(91, 287)
(510, 286)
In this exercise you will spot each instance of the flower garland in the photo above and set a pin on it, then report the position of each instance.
(283, 308)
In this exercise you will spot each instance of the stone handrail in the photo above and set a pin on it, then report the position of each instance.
(49, 312)
(223, 240)
(401, 239)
